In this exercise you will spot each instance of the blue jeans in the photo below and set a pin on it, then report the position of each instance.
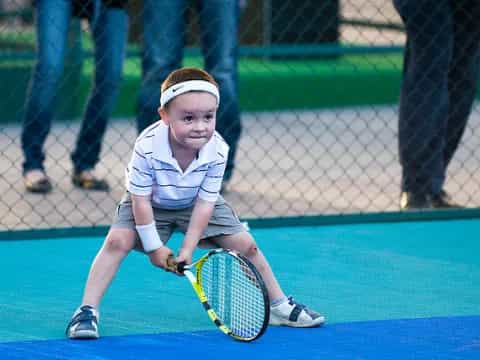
(109, 27)
(440, 76)
(164, 40)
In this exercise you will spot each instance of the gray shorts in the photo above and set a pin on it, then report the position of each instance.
(224, 220)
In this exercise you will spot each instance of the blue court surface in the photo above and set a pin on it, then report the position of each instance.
(407, 290)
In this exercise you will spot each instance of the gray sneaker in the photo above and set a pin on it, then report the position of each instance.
(84, 324)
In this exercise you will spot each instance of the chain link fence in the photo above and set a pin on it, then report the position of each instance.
(319, 85)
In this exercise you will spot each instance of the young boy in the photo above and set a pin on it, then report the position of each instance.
(173, 181)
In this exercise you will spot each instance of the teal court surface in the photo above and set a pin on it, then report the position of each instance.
(402, 290)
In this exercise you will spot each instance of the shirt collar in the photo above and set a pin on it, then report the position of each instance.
(161, 145)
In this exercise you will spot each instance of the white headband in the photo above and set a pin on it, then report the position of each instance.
(186, 86)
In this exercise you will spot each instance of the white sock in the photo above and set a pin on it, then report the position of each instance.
(278, 302)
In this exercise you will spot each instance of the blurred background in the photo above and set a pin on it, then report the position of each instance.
(319, 85)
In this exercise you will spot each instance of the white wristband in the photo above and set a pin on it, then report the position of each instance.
(149, 237)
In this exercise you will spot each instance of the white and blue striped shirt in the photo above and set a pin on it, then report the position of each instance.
(154, 171)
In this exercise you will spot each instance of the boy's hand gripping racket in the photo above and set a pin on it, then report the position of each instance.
(232, 292)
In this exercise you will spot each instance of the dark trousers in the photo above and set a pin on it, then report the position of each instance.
(109, 29)
(440, 77)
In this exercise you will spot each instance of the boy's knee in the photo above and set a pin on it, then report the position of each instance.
(251, 250)
(117, 243)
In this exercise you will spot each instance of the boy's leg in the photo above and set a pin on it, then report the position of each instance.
(121, 239)
(226, 231)
(243, 243)
(117, 245)
(283, 311)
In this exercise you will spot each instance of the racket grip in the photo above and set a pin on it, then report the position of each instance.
(181, 267)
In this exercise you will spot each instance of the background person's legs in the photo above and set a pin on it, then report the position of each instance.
(424, 97)
(163, 42)
(463, 77)
(52, 24)
(110, 36)
(219, 27)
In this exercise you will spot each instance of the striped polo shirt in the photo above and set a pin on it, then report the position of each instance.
(154, 171)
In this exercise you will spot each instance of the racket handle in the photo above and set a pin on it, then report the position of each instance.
(181, 267)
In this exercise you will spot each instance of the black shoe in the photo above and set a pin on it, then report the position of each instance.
(412, 201)
(443, 201)
(86, 180)
(41, 183)
(84, 324)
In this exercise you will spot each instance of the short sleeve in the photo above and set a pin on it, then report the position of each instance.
(140, 176)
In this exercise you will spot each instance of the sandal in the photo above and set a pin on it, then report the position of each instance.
(86, 180)
(36, 181)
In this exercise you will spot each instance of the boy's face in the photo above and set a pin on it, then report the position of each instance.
(191, 118)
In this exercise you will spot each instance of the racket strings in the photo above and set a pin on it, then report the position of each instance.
(234, 293)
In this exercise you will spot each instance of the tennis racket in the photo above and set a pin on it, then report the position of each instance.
(231, 291)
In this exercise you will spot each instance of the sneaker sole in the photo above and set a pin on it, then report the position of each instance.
(316, 323)
(84, 334)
